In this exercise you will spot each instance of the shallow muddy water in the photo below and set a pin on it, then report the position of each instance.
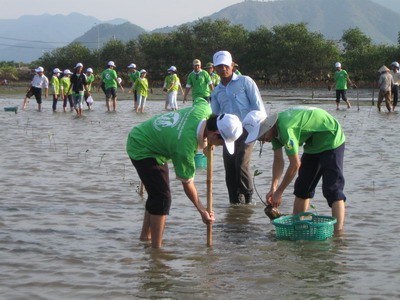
(70, 217)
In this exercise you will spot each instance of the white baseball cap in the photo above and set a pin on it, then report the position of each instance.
(132, 66)
(78, 65)
(143, 71)
(230, 128)
(257, 123)
(338, 65)
(172, 68)
(89, 70)
(111, 63)
(67, 72)
(57, 70)
(222, 58)
(39, 69)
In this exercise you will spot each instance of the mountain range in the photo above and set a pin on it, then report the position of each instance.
(378, 19)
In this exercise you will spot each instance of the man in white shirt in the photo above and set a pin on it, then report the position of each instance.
(39, 82)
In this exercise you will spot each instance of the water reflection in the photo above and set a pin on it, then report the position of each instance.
(70, 219)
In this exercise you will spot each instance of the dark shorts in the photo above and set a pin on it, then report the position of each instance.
(329, 166)
(37, 92)
(341, 93)
(111, 93)
(155, 178)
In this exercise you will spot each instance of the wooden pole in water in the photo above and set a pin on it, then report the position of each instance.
(210, 156)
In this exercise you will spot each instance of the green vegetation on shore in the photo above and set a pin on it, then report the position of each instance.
(288, 55)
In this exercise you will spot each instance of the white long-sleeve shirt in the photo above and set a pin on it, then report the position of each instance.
(40, 81)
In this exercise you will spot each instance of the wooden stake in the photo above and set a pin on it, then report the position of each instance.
(210, 156)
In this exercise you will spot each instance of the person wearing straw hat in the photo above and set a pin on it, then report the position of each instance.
(55, 87)
(385, 84)
(341, 78)
(176, 136)
(39, 82)
(324, 145)
(236, 95)
(199, 81)
(172, 85)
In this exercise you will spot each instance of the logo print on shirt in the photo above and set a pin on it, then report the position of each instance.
(289, 145)
(166, 120)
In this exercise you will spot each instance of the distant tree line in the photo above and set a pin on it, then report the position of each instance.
(287, 55)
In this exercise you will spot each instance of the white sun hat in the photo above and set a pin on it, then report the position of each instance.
(257, 123)
(230, 128)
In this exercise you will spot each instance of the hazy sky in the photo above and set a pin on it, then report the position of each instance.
(149, 14)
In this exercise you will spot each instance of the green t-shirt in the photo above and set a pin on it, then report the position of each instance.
(109, 77)
(215, 79)
(170, 136)
(55, 85)
(341, 79)
(134, 75)
(89, 81)
(65, 83)
(313, 127)
(142, 86)
(199, 83)
(172, 83)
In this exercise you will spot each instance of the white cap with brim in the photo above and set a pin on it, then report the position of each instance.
(222, 58)
(257, 124)
(67, 72)
(78, 65)
(56, 70)
(132, 66)
(39, 69)
(230, 128)
(338, 65)
(172, 69)
(111, 64)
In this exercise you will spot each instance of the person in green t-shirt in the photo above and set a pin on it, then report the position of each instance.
(109, 77)
(88, 92)
(236, 69)
(341, 78)
(323, 140)
(175, 136)
(55, 87)
(199, 81)
(172, 85)
(141, 85)
(214, 76)
(133, 75)
(65, 91)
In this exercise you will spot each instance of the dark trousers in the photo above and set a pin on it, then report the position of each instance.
(238, 177)
(55, 99)
(395, 93)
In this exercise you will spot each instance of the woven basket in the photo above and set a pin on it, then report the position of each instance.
(304, 226)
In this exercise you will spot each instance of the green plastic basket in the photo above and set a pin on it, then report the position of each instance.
(304, 226)
(201, 161)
